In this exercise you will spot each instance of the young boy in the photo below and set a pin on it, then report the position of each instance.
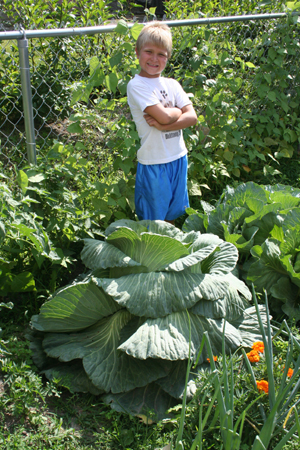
(160, 109)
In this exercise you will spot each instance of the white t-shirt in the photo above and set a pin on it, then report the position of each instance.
(157, 147)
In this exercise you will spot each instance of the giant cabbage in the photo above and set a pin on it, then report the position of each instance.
(126, 329)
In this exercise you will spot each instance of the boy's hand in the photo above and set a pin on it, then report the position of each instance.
(153, 122)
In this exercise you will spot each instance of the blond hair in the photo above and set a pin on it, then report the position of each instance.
(158, 33)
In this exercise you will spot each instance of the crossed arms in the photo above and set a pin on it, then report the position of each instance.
(170, 119)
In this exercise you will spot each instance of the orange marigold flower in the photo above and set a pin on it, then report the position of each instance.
(258, 346)
(253, 356)
(215, 359)
(263, 385)
(290, 373)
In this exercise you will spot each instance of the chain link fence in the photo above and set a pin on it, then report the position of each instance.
(78, 83)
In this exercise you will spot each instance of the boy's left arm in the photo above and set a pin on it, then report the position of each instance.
(187, 119)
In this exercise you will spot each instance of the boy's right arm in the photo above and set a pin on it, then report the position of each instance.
(164, 116)
(187, 119)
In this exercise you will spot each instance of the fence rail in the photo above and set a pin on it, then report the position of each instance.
(64, 32)
(41, 71)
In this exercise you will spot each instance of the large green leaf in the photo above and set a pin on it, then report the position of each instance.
(265, 226)
(195, 222)
(292, 310)
(72, 376)
(288, 196)
(216, 218)
(125, 240)
(97, 347)
(148, 402)
(244, 192)
(248, 326)
(267, 269)
(286, 291)
(204, 240)
(138, 227)
(166, 229)
(101, 255)
(131, 327)
(223, 260)
(283, 187)
(254, 205)
(291, 241)
(74, 308)
(287, 200)
(231, 306)
(150, 250)
(243, 245)
(39, 357)
(153, 226)
(292, 219)
(237, 217)
(168, 337)
(236, 232)
(174, 383)
(132, 373)
(291, 232)
(157, 294)
(287, 264)
(236, 283)
(190, 260)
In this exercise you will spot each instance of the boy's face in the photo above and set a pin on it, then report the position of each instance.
(152, 59)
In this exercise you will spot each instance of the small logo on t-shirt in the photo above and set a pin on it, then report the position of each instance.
(173, 134)
(164, 100)
(164, 94)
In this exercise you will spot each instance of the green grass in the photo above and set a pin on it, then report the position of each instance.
(37, 414)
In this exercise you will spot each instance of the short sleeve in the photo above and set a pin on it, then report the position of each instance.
(140, 95)
(181, 97)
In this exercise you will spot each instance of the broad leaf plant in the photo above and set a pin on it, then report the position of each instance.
(128, 328)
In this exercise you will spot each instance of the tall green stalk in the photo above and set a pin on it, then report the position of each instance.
(283, 401)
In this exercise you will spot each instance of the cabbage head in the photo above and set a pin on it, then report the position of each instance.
(125, 329)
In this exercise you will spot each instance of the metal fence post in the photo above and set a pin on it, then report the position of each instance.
(27, 99)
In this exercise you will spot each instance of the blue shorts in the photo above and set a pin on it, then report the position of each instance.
(161, 190)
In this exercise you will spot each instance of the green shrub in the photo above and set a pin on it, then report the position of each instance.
(263, 223)
(244, 89)
(46, 213)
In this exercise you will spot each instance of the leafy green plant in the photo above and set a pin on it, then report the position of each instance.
(123, 330)
(26, 421)
(46, 211)
(222, 69)
(262, 222)
(243, 78)
(53, 65)
(283, 400)
(26, 390)
(40, 415)
(19, 233)
(239, 76)
(195, 8)
(56, 14)
(280, 420)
